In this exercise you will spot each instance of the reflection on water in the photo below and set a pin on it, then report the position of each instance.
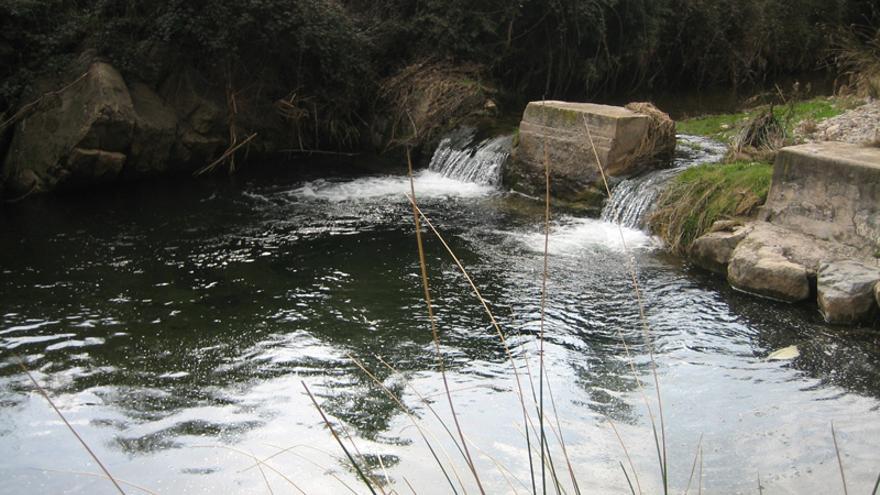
(174, 331)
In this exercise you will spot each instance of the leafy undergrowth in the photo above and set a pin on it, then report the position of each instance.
(701, 195)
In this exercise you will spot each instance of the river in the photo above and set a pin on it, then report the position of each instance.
(173, 326)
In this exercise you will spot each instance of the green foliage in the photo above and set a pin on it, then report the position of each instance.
(332, 53)
(704, 194)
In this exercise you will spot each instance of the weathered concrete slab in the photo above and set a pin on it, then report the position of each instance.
(830, 191)
(626, 141)
(846, 291)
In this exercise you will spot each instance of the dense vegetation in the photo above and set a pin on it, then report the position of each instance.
(333, 55)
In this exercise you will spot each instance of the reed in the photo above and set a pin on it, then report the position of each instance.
(70, 427)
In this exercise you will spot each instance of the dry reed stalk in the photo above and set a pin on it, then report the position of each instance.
(626, 475)
(339, 441)
(431, 317)
(839, 460)
(360, 454)
(69, 426)
(265, 479)
(229, 152)
(544, 278)
(697, 454)
(498, 331)
(101, 476)
(632, 466)
(436, 415)
(255, 459)
(561, 440)
(27, 108)
(700, 475)
(413, 490)
(289, 450)
(409, 415)
(661, 451)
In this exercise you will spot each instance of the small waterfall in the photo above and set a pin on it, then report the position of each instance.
(459, 157)
(633, 200)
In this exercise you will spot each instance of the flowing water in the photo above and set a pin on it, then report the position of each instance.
(174, 328)
(633, 199)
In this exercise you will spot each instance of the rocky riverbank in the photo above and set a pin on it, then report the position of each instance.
(818, 235)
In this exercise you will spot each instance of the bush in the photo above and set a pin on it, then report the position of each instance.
(330, 55)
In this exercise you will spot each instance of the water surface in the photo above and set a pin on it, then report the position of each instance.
(174, 326)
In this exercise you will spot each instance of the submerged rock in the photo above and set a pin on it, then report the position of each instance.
(626, 142)
(847, 291)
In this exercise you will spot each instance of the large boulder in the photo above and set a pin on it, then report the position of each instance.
(203, 127)
(846, 291)
(758, 266)
(559, 133)
(155, 133)
(82, 138)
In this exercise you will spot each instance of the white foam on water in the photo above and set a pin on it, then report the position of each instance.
(428, 184)
(572, 236)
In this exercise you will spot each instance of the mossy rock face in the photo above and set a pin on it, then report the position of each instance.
(93, 118)
(569, 137)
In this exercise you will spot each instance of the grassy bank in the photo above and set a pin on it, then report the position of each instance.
(707, 193)
(724, 127)
(739, 185)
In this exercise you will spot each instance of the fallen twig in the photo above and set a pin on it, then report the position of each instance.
(224, 156)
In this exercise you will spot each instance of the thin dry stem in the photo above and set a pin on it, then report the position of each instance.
(544, 278)
(495, 325)
(69, 426)
(661, 451)
(632, 466)
(338, 440)
(102, 476)
(265, 479)
(409, 416)
(230, 152)
(436, 415)
(839, 459)
(626, 475)
(255, 459)
(26, 109)
(436, 336)
(289, 450)
(694, 467)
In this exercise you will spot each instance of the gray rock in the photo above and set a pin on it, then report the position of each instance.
(877, 293)
(761, 269)
(202, 123)
(65, 143)
(714, 250)
(155, 133)
(627, 142)
(847, 291)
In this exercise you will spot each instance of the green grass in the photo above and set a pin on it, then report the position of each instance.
(724, 126)
(703, 194)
